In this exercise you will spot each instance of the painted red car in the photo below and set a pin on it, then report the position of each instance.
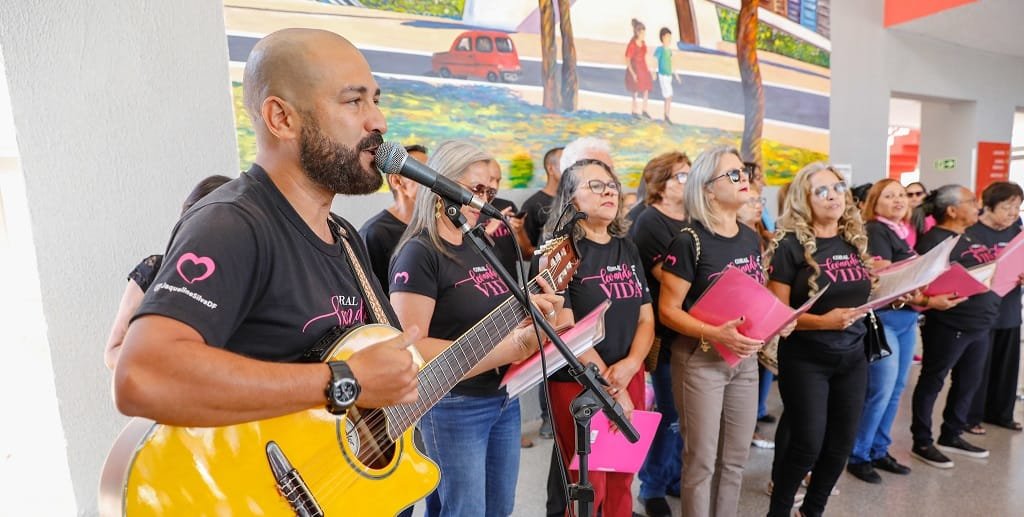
(488, 55)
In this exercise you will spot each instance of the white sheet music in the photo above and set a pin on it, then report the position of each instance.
(910, 275)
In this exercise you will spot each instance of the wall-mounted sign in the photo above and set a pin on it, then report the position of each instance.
(945, 164)
(993, 164)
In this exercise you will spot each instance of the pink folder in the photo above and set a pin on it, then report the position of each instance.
(956, 280)
(1010, 265)
(734, 294)
(611, 452)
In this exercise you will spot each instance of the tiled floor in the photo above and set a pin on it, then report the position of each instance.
(991, 487)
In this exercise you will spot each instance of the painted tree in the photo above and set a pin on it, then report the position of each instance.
(570, 82)
(750, 74)
(549, 55)
(684, 17)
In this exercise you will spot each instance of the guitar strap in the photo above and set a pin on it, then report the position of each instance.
(367, 290)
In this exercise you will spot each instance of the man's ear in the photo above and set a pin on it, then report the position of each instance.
(281, 118)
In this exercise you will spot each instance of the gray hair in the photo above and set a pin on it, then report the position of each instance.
(584, 147)
(567, 189)
(938, 201)
(695, 198)
(451, 159)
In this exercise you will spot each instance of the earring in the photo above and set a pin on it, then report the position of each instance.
(438, 207)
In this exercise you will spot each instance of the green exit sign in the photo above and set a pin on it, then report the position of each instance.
(946, 164)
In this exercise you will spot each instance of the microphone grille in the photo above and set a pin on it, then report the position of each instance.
(389, 157)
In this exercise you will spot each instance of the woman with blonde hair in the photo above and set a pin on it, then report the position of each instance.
(440, 284)
(609, 269)
(716, 402)
(819, 242)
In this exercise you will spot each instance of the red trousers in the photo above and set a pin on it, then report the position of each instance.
(612, 490)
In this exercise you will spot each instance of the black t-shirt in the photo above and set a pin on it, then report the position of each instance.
(465, 290)
(610, 271)
(1010, 307)
(841, 269)
(978, 312)
(145, 272)
(653, 233)
(247, 273)
(381, 234)
(717, 252)
(883, 243)
(634, 213)
(504, 241)
(536, 207)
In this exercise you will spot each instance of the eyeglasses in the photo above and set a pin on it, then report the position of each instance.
(483, 191)
(598, 186)
(681, 176)
(734, 176)
(918, 193)
(839, 188)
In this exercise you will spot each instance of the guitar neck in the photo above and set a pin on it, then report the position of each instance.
(443, 372)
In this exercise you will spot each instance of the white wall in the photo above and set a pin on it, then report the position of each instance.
(870, 64)
(119, 108)
(947, 132)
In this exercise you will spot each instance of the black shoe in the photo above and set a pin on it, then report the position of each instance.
(657, 507)
(958, 445)
(930, 455)
(889, 464)
(864, 472)
(767, 418)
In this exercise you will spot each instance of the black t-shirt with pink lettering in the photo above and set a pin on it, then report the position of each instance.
(653, 232)
(464, 290)
(245, 271)
(996, 240)
(610, 271)
(841, 270)
(978, 312)
(717, 252)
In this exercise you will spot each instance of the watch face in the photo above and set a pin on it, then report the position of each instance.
(345, 392)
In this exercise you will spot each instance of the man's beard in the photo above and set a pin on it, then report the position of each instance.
(335, 167)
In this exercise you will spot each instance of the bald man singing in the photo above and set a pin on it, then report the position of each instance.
(259, 270)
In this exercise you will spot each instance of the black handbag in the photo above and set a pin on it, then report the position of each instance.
(875, 345)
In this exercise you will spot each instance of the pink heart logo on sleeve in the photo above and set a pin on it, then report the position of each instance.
(190, 257)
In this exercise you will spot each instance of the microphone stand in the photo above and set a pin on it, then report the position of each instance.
(594, 397)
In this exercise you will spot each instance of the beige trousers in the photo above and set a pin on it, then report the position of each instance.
(717, 413)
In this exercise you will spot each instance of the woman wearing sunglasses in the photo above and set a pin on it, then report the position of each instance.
(822, 367)
(609, 269)
(665, 177)
(717, 404)
(442, 286)
(920, 222)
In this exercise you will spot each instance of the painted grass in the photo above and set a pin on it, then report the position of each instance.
(519, 133)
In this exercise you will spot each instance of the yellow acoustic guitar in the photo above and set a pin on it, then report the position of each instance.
(310, 463)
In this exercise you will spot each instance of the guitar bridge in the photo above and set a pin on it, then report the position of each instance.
(291, 485)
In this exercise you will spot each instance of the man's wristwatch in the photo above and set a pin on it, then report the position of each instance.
(342, 390)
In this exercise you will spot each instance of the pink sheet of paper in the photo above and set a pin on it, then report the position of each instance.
(1010, 265)
(611, 452)
(734, 294)
(955, 280)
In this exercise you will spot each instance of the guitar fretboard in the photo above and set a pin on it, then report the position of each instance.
(443, 372)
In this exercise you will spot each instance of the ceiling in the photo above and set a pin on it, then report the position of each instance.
(988, 25)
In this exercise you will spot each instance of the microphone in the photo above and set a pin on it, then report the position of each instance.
(391, 158)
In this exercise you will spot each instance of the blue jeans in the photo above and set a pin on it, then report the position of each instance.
(886, 380)
(764, 387)
(475, 441)
(663, 467)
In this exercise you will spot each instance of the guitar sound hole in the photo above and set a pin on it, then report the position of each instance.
(367, 435)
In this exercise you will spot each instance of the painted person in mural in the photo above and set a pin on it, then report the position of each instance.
(638, 77)
(666, 74)
(441, 284)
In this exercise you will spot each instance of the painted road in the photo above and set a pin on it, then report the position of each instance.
(781, 104)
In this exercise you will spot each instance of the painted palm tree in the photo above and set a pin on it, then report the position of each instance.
(570, 82)
(684, 16)
(549, 55)
(750, 74)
